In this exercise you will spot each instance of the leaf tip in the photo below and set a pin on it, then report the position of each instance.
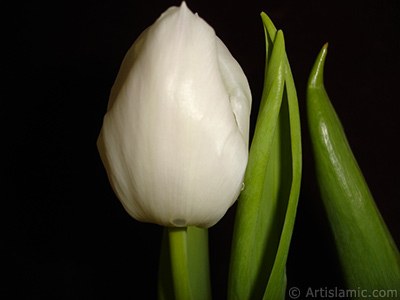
(317, 73)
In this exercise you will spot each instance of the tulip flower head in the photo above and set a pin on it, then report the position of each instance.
(174, 140)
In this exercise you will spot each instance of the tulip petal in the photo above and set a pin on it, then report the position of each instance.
(237, 87)
(174, 139)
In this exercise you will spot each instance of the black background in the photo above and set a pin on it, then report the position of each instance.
(66, 234)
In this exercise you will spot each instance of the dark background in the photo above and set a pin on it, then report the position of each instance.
(66, 235)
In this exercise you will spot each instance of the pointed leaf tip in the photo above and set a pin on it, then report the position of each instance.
(369, 257)
(268, 25)
(316, 78)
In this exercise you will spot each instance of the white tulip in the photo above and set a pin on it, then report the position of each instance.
(174, 141)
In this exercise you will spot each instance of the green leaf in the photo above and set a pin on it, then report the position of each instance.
(267, 206)
(291, 145)
(368, 254)
(197, 266)
(253, 217)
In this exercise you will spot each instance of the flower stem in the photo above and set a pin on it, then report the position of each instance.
(179, 262)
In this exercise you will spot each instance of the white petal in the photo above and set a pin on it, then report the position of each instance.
(170, 143)
(237, 87)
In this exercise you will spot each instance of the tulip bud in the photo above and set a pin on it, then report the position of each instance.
(174, 140)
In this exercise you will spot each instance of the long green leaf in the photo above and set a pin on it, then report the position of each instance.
(266, 212)
(277, 281)
(248, 249)
(368, 254)
(247, 275)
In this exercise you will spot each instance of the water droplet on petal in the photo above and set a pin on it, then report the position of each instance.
(243, 186)
(179, 222)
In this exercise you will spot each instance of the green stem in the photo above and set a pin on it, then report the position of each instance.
(179, 262)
